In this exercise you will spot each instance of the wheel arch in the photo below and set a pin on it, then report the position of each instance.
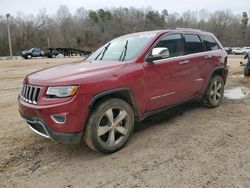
(125, 94)
(220, 71)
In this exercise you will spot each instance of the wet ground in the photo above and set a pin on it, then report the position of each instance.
(237, 93)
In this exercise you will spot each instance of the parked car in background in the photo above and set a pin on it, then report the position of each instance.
(228, 50)
(85, 53)
(237, 51)
(33, 52)
(52, 53)
(246, 50)
(126, 80)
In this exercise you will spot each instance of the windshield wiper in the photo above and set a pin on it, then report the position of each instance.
(124, 52)
(103, 51)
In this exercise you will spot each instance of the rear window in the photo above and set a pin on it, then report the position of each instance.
(192, 44)
(209, 43)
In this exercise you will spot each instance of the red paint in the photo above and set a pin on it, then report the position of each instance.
(153, 85)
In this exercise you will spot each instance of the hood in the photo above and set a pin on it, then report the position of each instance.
(71, 73)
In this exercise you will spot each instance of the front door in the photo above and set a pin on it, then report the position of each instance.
(165, 75)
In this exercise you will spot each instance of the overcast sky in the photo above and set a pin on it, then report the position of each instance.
(33, 6)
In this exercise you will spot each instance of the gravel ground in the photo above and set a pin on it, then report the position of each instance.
(188, 146)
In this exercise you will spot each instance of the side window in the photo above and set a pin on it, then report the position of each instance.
(209, 43)
(192, 44)
(169, 46)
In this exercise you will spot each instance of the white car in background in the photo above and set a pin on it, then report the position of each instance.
(246, 50)
(236, 51)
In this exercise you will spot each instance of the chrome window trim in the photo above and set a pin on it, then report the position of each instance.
(160, 61)
(182, 56)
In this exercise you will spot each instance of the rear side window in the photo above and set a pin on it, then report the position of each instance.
(209, 43)
(172, 44)
(192, 44)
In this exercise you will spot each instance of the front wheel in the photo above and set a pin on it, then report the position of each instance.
(215, 91)
(109, 126)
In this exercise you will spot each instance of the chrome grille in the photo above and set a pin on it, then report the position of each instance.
(30, 93)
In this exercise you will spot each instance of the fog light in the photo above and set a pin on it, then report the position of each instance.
(58, 118)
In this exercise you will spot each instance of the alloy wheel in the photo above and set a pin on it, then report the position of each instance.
(113, 127)
(216, 92)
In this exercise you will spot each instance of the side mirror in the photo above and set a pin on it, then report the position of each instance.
(158, 53)
(150, 59)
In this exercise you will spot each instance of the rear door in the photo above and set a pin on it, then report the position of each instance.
(212, 55)
(194, 52)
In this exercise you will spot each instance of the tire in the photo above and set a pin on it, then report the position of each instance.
(109, 126)
(29, 56)
(234, 53)
(53, 56)
(215, 92)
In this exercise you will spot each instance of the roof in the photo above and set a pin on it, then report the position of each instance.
(159, 32)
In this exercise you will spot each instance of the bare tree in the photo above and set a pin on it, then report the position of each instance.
(89, 29)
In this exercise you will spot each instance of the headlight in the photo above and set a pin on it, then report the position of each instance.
(61, 91)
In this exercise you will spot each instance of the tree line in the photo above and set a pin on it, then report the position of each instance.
(89, 29)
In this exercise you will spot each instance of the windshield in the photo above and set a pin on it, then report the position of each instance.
(124, 48)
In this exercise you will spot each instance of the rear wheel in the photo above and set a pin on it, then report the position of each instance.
(215, 92)
(109, 126)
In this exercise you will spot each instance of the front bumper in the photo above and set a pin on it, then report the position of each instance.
(40, 127)
(39, 119)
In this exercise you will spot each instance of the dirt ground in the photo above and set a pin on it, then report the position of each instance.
(188, 146)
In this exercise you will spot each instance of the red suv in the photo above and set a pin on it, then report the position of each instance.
(129, 78)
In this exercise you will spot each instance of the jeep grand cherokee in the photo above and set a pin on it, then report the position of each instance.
(127, 79)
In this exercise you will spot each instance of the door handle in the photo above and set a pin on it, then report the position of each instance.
(184, 62)
(208, 56)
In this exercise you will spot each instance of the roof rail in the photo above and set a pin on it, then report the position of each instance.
(182, 28)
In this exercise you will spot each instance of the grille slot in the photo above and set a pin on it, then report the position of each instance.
(30, 93)
(38, 128)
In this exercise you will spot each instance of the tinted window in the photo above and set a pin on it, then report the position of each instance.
(192, 44)
(172, 44)
(209, 43)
